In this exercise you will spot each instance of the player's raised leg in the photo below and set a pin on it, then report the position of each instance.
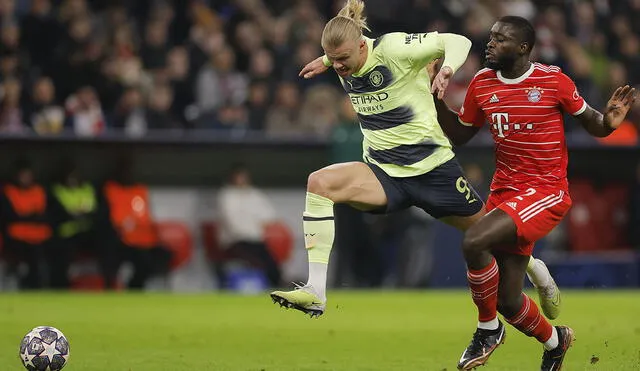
(352, 182)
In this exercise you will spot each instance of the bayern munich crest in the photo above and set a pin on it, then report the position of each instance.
(534, 94)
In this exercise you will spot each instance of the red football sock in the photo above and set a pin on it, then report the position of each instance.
(484, 290)
(530, 322)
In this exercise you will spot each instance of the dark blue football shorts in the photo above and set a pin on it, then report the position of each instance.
(443, 191)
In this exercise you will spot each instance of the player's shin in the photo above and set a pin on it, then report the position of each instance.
(530, 322)
(319, 231)
(490, 333)
(483, 284)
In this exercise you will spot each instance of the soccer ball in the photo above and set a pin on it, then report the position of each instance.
(44, 349)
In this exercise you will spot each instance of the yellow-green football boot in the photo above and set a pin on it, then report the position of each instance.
(549, 295)
(303, 298)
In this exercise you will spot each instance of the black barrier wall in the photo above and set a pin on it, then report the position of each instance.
(200, 161)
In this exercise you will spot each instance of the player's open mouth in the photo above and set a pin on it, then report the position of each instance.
(342, 71)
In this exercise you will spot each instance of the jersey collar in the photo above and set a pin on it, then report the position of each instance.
(517, 80)
(370, 62)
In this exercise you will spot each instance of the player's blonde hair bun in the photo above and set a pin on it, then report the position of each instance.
(346, 26)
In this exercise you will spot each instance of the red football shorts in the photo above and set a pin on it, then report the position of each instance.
(535, 211)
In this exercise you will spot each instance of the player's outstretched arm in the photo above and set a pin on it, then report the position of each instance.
(458, 133)
(315, 67)
(423, 48)
(602, 124)
(456, 49)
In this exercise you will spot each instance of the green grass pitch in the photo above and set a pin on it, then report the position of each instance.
(372, 330)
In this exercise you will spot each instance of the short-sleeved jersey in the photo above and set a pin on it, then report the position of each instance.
(525, 119)
(391, 95)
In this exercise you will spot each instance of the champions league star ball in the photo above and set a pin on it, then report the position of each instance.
(44, 349)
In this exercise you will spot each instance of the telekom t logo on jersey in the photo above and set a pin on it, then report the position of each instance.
(501, 124)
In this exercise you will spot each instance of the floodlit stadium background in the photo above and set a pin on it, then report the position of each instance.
(175, 93)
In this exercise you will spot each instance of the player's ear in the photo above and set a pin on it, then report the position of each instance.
(524, 48)
(362, 44)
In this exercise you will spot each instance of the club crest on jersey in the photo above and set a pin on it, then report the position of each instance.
(534, 94)
(376, 78)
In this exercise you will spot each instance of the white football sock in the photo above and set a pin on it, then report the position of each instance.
(318, 279)
(490, 325)
(552, 343)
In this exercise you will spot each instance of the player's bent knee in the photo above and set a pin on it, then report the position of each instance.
(320, 183)
(473, 242)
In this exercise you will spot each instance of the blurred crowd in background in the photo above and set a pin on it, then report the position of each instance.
(142, 68)
(91, 67)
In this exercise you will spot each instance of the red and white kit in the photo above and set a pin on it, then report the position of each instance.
(525, 117)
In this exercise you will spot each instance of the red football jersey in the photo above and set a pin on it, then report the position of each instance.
(525, 118)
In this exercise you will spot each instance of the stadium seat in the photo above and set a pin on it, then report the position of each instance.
(236, 276)
(176, 236)
(598, 219)
(279, 240)
(91, 282)
(615, 232)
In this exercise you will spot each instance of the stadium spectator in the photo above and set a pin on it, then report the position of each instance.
(178, 78)
(245, 211)
(44, 115)
(74, 214)
(85, 112)
(318, 114)
(219, 84)
(261, 67)
(10, 112)
(283, 118)
(210, 52)
(25, 225)
(136, 237)
(159, 114)
(40, 33)
(258, 104)
(129, 114)
(155, 47)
